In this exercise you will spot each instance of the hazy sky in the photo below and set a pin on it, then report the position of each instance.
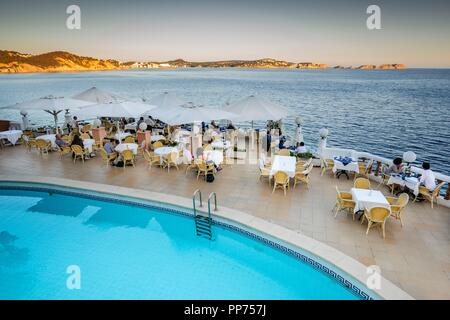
(413, 32)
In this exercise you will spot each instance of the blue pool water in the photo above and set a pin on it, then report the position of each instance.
(132, 252)
(385, 112)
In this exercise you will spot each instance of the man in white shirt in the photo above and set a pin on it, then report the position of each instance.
(427, 179)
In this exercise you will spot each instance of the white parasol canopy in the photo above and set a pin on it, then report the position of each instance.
(50, 104)
(189, 113)
(255, 108)
(166, 100)
(96, 95)
(125, 109)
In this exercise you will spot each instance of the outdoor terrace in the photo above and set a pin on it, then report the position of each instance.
(416, 257)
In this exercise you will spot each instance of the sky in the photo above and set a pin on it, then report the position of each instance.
(325, 31)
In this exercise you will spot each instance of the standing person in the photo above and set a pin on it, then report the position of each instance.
(74, 123)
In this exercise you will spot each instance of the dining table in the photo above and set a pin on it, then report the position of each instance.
(11, 135)
(127, 146)
(412, 183)
(367, 198)
(48, 137)
(285, 164)
(163, 152)
(344, 165)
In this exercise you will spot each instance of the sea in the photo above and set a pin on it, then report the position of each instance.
(384, 112)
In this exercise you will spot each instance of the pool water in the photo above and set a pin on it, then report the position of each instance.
(131, 252)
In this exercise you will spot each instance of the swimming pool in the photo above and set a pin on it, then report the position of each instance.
(133, 249)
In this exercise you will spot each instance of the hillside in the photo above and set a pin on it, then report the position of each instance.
(57, 61)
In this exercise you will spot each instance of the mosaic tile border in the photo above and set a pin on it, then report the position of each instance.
(144, 204)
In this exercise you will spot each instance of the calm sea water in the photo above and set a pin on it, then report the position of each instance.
(385, 112)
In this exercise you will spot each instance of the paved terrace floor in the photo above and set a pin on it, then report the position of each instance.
(416, 257)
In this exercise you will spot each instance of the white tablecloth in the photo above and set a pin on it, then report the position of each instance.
(88, 144)
(220, 145)
(157, 137)
(131, 126)
(48, 137)
(127, 146)
(11, 135)
(366, 199)
(351, 167)
(411, 183)
(285, 164)
(122, 135)
(164, 151)
(214, 156)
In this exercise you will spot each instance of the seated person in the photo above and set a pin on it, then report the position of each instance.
(281, 143)
(110, 146)
(231, 126)
(301, 148)
(396, 166)
(427, 179)
(214, 125)
(150, 122)
(60, 142)
(77, 141)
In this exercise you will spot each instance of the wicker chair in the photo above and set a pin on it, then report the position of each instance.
(376, 216)
(398, 205)
(431, 196)
(281, 180)
(344, 200)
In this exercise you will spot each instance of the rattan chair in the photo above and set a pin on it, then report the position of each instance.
(431, 196)
(303, 176)
(327, 165)
(344, 200)
(78, 153)
(127, 157)
(107, 157)
(398, 205)
(281, 180)
(361, 183)
(376, 216)
(152, 159)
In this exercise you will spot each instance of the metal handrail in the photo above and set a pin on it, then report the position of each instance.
(193, 200)
(209, 203)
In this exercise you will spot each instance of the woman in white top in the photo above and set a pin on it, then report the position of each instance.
(427, 178)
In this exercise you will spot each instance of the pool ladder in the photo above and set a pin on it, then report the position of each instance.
(203, 223)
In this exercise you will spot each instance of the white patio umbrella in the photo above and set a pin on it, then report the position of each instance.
(255, 108)
(124, 109)
(50, 104)
(189, 113)
(96, 95)
(166, 100)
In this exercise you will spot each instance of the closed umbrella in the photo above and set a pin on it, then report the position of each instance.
(50, 104)
(255, 108)
(96, 95)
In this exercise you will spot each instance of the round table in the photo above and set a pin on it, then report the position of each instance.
(48, 137)
(214, 156)
(127, 146)
(88, 143)
(11, 135)
(164, 151)
(221, 145)
(157, 137)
